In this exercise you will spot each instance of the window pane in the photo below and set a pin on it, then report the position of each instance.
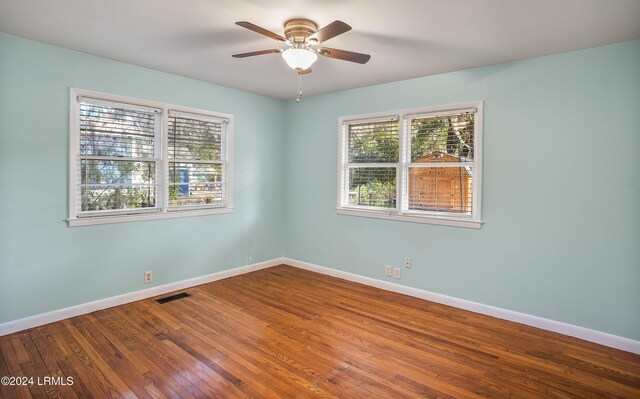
(373, 142)
(116, 132)
(195, 194)
(94, 171)
(442, 189)
(442, 138)
(194, 172)
(372, 187)
(195, 184)
(113, 197)
(194, 139)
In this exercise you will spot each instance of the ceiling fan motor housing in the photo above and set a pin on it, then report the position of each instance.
(298, 30)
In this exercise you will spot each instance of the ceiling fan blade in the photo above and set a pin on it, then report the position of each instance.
(330, 31)
(261, 52)
(344, 55)
(261, 31)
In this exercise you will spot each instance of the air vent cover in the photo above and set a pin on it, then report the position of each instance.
(172, 298)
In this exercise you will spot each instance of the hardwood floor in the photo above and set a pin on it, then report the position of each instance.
(283, 332)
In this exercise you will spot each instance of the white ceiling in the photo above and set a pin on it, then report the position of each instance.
(406, 38)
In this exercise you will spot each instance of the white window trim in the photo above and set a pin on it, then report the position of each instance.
(182, 112)
(474, 221)
(163, 211)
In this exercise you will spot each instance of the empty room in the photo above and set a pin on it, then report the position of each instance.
(329, 199)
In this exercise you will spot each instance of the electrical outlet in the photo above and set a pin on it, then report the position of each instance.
(148, 277)
(407, 263)
(396, 272)
(387, 270)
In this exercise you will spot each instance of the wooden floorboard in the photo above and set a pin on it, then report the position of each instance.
(284, 332)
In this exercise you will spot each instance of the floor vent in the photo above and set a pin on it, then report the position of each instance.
(172, 298)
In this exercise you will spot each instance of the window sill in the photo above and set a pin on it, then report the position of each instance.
(392, 215)
(88, 221)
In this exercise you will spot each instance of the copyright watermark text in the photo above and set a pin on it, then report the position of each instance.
(28, 381)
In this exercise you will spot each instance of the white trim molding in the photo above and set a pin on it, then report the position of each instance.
(402, 120)
(471, 224)
(160, 159)
(61, 314)
(150, 216)
(602, 338)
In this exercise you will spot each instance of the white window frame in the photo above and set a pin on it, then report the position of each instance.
(221, 162)
(400, 212)
(162, 209)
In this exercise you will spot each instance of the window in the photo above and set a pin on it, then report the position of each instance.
(420, 165)
(196, 168)
(372, 163)
(136, 160)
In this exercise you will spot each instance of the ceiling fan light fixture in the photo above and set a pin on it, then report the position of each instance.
(299, 57)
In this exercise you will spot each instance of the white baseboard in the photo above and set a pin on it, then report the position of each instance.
(586, 334)
(61, 314)
(598, 337)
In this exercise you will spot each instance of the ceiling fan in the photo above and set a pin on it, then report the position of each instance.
(302, 35)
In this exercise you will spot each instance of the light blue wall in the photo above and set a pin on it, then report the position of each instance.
(561, 238)
(45, 265)
(561, 191)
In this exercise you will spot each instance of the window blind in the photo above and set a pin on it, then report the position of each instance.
(196, 167)
(134, 159)
(417, 165)
(372, 163)
(116, 158)
(441, 165)
(373, 142)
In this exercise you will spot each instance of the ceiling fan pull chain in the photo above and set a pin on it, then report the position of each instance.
(299, 86)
